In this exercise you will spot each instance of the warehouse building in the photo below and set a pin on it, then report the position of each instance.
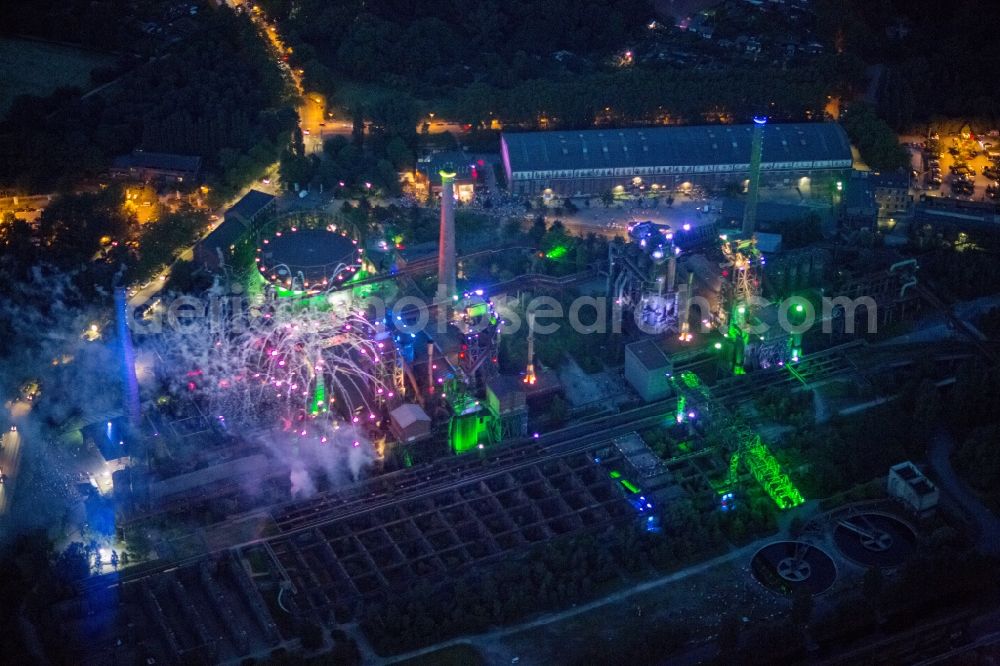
(165, 168)
(252, 208)
(592, 162)
(878, 198)
(217, 248)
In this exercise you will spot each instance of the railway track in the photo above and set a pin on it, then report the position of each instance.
(418, 482)
(459, 471)
(415, 483)
(820, 366)
(394, 486)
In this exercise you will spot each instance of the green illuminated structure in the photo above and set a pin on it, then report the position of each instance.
(739, 338)
(625, 483)
(629, 486)
(468, 431)
(742, 293)
(471, 425)
(796, 316)
(318, 402)
(767, 472)
(733, 474)
(745, 443)
(558, 252)
(691, 380)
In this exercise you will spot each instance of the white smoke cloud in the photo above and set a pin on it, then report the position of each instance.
(43, 345)
(291, 372)
(317, 461)
(302, 483)
(80, 383)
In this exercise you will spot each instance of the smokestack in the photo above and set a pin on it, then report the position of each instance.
(529, 375)
(756, 151)
(130, 384)
(446, 238)
(671, 272)
(686, 308)
(430, 368)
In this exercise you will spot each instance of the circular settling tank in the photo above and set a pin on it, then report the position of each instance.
(787, 566)
(874, 539)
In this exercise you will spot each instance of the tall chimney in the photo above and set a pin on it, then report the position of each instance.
(756, 151)
(529, 375)
(685, 309)
(446, 238)
(671, 271)
(430, 368)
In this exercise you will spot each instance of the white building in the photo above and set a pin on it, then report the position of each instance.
(909, 485)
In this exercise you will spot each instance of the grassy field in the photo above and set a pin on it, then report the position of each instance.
(36, 68)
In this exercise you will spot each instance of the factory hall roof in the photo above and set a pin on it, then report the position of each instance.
(771, 211)
(224, 236)
(166, 161)
(250, 205)
(673, 146)
(408, 414)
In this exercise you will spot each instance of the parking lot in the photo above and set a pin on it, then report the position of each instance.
(954, 165)
(615, 220)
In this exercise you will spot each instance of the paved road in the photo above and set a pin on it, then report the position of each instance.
(155, 285)
(317, 119)
(10, 461)
(950, 656)
(987, 524)
(940, 449)
(615, 220)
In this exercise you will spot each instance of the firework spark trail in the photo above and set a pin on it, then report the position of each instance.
(291, 366)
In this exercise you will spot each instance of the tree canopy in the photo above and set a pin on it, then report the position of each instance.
(936, 60)
(217, 94)
(879, 146)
